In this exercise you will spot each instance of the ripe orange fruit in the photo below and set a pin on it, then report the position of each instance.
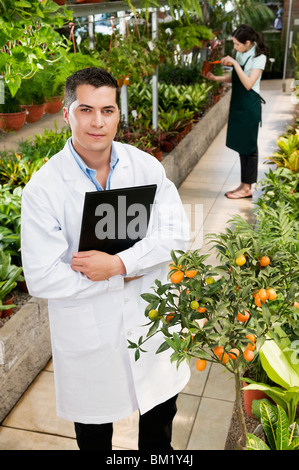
(201, 309)
(234, 353)
(190, 273)
(241, 260)
(169, 317)
(264, 261)
(194, 305)
(174, 266)
(257, 301)
(296, 304)
(271, 293)
(263, 295)
(242, 318)
(248, 355)
(201, 364)
(251, 337)
(224, 358)
(250, 347)
(218, 350)
(177, 277)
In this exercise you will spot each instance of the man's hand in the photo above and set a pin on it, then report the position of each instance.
(97, 265)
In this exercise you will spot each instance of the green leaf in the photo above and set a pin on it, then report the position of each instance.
(268, 420)
(137, 354)
(255, 443)
(163, 347)
(282, 430)
(150, 297)
(277, 366)
(24, 4)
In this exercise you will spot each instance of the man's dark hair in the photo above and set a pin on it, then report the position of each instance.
(89, 76)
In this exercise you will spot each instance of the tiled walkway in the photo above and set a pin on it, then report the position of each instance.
(205, 405)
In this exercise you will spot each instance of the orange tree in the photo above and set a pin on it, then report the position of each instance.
(223, 313)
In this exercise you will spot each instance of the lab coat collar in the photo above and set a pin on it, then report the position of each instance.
(72, 172)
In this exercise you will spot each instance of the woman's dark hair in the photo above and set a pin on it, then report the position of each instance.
(89, 76)
(246, 33)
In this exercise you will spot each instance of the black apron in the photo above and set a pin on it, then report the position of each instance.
(245, 114)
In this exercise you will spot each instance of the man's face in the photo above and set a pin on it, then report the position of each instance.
(93, 118)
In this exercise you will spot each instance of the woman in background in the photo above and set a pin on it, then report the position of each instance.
(245, 106)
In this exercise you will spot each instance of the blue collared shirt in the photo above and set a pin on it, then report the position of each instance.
(91, 173)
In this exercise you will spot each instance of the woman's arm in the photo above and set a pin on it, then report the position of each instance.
(247, 81)
(218, 78)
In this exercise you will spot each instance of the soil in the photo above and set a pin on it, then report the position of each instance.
(234, 430)
(20, 299)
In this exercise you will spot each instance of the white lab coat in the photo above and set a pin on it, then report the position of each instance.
(96, 376)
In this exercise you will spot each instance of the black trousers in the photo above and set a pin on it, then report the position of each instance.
(155, 430)
(249, 167)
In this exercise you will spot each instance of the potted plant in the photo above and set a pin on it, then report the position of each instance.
(279, 359)
(53, 93)
(280, 432)
(287, 154)
(12, 117)
(223, 313)
(9, 276)
(191, 36)
(32, 98)
(29, 39)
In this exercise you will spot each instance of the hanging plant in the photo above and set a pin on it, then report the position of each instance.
(28, 38)
(190, 8)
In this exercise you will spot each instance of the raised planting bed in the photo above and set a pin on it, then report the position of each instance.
(182, 159)
(25, 349)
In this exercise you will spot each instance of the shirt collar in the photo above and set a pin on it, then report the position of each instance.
(249, 53)
(90, 172)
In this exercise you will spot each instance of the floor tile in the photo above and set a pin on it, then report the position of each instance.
(125, 432)
(19, 439)
(36, 410)
(211, 425)
(221, 384)
(183, 422)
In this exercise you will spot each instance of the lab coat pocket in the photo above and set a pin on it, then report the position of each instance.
(74, 329)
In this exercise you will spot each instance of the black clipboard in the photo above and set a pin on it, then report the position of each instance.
(115, 219)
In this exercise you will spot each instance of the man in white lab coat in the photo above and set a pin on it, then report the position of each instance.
(94, 297)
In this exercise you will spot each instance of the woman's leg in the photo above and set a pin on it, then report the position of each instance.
(249, 167)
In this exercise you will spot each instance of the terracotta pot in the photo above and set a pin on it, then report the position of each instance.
(8, 312)
(60, 2)
(10, 122)
(206, 67)
(120, 82)
(126, 80)
(249, 396)
(34, 112)
(54, 105)
(158, 154)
